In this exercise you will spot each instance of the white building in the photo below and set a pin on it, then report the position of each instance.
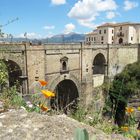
(119, 33)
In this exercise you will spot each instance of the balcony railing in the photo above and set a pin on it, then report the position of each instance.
(120, 34)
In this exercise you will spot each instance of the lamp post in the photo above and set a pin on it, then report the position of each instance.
(25, 35)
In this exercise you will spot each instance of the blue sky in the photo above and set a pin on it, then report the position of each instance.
(44, 18)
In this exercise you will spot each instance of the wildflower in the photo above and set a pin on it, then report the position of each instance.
(47, 93)
(129, 110)
(138, 108)
(138, 131)
(44, 108)
(42, 82)
(125, 128)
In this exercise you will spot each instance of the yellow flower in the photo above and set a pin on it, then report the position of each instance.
(138, 131)
(138, 108)
(47, 93)
(129, 110)
(43, 83)
(44, 108)
(125, 128)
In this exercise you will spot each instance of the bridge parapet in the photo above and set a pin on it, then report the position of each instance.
(12, 46)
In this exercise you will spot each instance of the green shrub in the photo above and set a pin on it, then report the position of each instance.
(11, 98)
(3, 74)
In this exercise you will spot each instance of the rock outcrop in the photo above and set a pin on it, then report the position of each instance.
(21, 125)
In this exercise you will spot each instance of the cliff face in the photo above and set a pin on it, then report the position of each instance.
(21, 125)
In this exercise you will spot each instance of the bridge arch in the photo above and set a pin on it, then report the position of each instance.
(14, 71)
(98, 64)
(67, 89)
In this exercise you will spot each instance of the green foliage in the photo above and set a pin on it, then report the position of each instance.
(94, 119)
(35, 101)
(11, 98)
(3, 73)
(128, 82)
(79, 114)
(81, 134)
(124, 86)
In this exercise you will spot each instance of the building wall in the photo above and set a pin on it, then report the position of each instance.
(137, 28)
(120, 56)
(129, 33)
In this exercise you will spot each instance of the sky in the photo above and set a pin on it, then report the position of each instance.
(45, 18)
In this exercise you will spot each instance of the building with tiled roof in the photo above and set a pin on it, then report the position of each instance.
(115, 33)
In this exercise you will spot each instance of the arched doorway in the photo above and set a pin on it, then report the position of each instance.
(120, 41)
(14, 71)
(99, 64)
(66, 96)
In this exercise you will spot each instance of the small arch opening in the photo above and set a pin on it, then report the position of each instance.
(64, 66)
(99, 64)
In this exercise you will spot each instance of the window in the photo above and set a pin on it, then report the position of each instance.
(112, 31)
(100, 31)
(102, 42)
(112, 38)
(131, 38)
(121, 33)
(94, 38)
(89, 38)
(120, 28)
(64, 66)
(102, 38)
(104, 31)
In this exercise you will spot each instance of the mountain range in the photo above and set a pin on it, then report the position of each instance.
(59, 38)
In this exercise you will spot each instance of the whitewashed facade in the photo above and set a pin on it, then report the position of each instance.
(119, 33)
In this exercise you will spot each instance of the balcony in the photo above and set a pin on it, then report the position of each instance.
(120, 34)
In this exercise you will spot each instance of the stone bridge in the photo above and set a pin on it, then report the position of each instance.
(72, 70)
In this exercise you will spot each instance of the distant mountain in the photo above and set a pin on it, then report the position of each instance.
(65, 38)
(60, 38)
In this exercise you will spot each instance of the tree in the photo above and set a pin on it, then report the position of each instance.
(3, 74)
(125, 85)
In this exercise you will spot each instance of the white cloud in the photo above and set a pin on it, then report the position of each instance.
(86, 11)
(87, 23)
(110, 15)
(69, 28)
(128, 5)
(58, 2)
(30, 35)
(50, 34)
(49, 27)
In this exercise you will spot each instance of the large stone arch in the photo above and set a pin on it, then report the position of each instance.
(67, 89)
(98, 64)
(53, 82)
(17, 57)
(14, 72)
